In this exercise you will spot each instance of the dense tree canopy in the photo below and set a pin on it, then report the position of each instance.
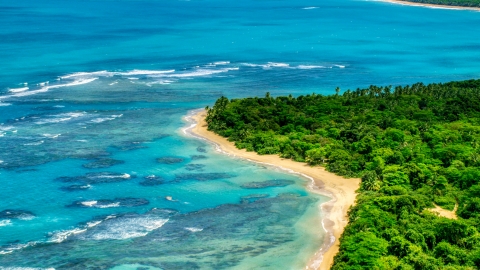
(412, 146)
(463, 3)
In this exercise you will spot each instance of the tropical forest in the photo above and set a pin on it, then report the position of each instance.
(464, 3)
(414, 147)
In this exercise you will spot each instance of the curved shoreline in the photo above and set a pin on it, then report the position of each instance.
(408, 3)
(341, 190)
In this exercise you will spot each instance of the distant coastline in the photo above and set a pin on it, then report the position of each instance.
(334, 212)
(410, 3)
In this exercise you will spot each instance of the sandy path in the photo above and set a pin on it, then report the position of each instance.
(340, 189)
(445, 213)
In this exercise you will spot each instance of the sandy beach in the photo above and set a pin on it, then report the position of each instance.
(407, 3)
(341, 190)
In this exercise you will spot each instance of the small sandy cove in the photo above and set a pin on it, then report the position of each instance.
(407, 3)
(341, 190)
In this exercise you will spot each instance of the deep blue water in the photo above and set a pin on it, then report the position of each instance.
(92, 100)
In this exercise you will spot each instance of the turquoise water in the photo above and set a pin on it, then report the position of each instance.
(94, 167)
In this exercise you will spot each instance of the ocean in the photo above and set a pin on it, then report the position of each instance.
(96, 171)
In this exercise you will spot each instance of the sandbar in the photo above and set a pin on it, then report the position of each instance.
(341, 190)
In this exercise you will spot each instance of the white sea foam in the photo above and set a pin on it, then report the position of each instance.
(160, 82)
(2, 104)
(104, 73)
(59, 106)
(93, 223)
(61, 118)
(100, 120)
(51, 136)
(34, 143)
(125, 176)
(1, 161)
(310, 67)
(61, 236)
(310, 8)
(6, 128)
(45, 87)
(5, 222)
(280, 65)
(193, 229)
(271, 65)
(96, 205)
(129, 228)
(89, 203)
(14, 247)
(18, 90)
(103, 119)
(221, 63)
(111, 205)
(339, 66)
(26, 217)
(268, 65)
(198, 73)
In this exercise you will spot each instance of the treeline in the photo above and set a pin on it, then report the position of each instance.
(412, 146)
(463, 3)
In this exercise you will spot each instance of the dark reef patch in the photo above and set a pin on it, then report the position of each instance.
(96, 178)
(267, 184)
(201, 149)
(186, 241)
(102, 163)
(16, 214)
(128, 146)
(152, 180)
(117, 202)
(198, 157)
(170, 160)
(72, 188)
(194, 167)
(252, 198)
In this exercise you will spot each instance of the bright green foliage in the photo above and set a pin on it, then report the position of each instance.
(412, 146)
(464, 3)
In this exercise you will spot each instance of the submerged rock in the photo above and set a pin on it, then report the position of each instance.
(97, 178)
(194, 167)
(252, 198)
(152, 180)
(130, 145)
(102, 163)
(267, 184)
(202, 176)
(197, 157)
(117, 202)
(201, 149)
(170, 160)
(75, 188)
(16, 214)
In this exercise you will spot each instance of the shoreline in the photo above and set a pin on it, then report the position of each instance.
(408, 3)
(341, 190)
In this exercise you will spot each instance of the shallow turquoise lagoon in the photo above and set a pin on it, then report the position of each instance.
(95, 170)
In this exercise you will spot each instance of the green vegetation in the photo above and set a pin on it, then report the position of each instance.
(463, 3)
(412, 146)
